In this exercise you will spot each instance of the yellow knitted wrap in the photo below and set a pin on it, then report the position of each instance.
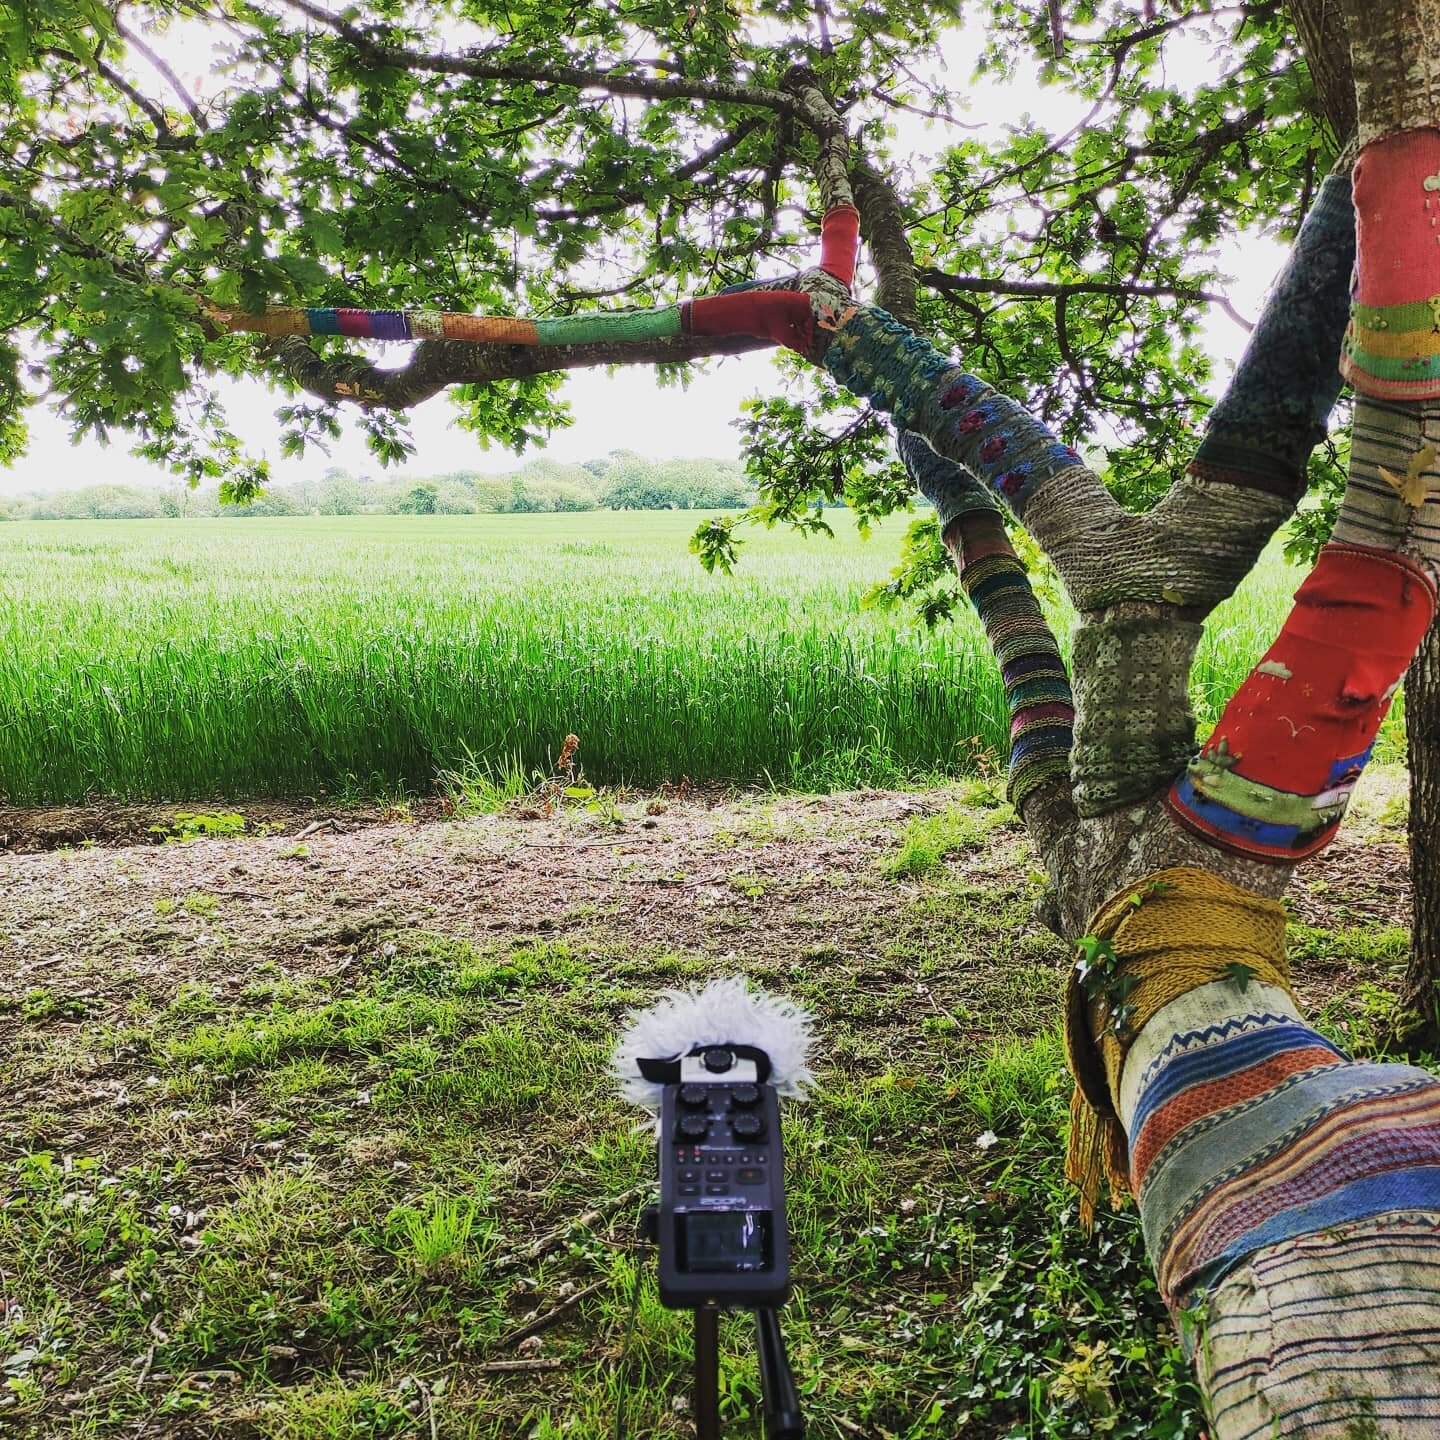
(1170, 933)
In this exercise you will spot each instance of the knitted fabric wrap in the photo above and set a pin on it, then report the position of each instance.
(1273, 780)
(1355, 1303)
(607, 328)
(839, 243)
(1037, 690)
(1392, 348)
(384, 325)
(1277, 407)
(1257, 1130)
(963, 418)
(1174, 931)
(950, 488)
(1395, 439)
(784, 317)
(1135, 719)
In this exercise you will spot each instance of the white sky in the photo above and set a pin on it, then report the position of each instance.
(625, 409)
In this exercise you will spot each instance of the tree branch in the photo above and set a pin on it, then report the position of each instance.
(480, 65)
(437, 364)
(947, 284)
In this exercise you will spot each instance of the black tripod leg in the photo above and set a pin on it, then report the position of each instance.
(707, 1375)
(783, 1420)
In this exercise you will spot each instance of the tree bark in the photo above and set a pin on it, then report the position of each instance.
(1421, 996)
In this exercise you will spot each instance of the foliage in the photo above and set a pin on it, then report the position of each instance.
(630, 153)
(630, 482)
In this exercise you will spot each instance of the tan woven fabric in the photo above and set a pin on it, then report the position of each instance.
(1359, 1303)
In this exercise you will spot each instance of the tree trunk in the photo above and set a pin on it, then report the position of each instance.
(1422, 723)
(1324, 39)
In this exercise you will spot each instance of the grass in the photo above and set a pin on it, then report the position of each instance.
(414, 1125)
(324, 1200)
(375, 655)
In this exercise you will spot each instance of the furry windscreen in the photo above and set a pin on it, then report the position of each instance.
(724, 1010)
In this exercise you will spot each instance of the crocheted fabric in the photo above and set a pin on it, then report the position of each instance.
(1355, 1303)
(1257, 1130)
(1392, 348)
(1173, 932)
(963, 418)
(1135, 720)
(1277, 408)
(1273, 781)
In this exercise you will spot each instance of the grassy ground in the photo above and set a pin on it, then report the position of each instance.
(368, 656)
(307, 1139)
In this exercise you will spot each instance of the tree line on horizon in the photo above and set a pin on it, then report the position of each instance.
(622, 480)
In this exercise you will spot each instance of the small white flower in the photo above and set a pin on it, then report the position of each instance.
(985, 1141)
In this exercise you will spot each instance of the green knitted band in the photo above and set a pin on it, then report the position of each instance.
(661, 324)
(1414, 367)
(1417, 315)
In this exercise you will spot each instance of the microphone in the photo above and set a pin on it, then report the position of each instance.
(709, 1065)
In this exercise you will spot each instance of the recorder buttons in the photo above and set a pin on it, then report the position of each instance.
(694, 1127)
(718, 1061)
(746, 1127)
(694, 1095)
(743, 1096)
(749, 1177)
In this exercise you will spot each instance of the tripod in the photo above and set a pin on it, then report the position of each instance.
(783, 1420)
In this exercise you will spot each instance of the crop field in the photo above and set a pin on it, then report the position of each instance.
(372, 656)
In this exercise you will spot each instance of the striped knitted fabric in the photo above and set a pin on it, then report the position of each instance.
(1357, 1303)
(1392, 348)
(782, 316)
(1254, 1130)
(1403, 440)
(1277, 408)
(1037, 689)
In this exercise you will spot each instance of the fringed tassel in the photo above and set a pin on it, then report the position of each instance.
(1098, 1153)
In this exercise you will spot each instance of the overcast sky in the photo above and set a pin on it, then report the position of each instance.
(611, 411)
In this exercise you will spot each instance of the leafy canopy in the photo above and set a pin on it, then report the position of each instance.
(628, 153)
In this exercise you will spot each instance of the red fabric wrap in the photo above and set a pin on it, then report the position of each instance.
(1305, 718)
(783, 317)
(1397, 207)
(840, 243)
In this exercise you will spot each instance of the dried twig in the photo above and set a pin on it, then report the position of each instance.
(507, 1367)
(557, 1237)
(429, 1399)
(550, 1317)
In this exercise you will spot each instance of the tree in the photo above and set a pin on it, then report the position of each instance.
(670, 140)
(421, 500)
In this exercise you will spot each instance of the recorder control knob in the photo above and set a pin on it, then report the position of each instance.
(718, 1061)
(694, 1127)
(695, 1096)
(747, 1127)
(744, 1096)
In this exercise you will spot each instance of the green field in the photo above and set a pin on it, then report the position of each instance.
(367, 656)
